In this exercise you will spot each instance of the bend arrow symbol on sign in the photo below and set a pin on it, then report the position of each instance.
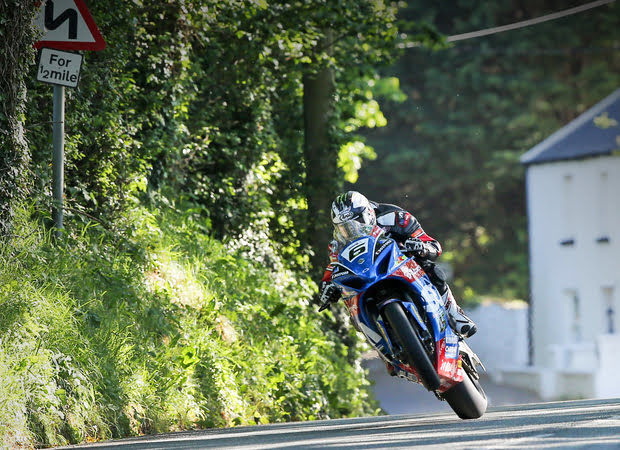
(68, 14)
(67, 25)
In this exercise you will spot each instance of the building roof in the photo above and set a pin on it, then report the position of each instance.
(596, 132)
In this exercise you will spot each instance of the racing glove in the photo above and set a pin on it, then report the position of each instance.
(416, 246)
(328, 293)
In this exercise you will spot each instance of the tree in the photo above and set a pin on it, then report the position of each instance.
(473, 108)
(17, 34)
(206, 100)
(320, 152)
(366, 36)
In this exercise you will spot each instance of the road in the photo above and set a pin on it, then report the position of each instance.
(583, 424)
(399, 396)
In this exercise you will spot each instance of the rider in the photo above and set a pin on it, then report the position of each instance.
(404, 229)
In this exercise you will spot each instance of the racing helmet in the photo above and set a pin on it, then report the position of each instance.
(353, 206)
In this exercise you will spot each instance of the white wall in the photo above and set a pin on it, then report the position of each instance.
(501, 340)
(598, 379)
(607, 384)
(577, 200)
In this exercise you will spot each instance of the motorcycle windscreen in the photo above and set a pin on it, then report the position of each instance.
(350, 230)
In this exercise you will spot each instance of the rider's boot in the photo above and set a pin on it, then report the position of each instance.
(459, 322)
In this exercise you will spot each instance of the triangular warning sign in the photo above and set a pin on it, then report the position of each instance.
(67, 25)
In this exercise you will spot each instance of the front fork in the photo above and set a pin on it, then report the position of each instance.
(420, 324)
(425, 336)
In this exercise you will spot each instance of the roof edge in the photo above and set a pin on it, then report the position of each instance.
(585, 117)
(583, 157)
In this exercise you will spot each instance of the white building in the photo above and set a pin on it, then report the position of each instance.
(573, 192)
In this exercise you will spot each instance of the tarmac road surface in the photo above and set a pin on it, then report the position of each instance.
(584, 424)
(399, 396)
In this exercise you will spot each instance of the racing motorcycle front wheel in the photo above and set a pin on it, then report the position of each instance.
(409, 341)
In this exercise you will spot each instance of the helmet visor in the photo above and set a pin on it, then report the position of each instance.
(351, 230)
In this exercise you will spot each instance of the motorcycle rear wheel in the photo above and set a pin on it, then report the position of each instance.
(410, 343)
(467, 399)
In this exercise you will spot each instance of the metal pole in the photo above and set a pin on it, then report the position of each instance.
(59, 156)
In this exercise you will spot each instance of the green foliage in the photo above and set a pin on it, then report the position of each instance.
(366, 114)
(153, 314)
(163, 329)
(17, 35)
(206, 98)
(472, 110)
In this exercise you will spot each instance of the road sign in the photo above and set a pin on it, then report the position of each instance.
(67, 25)
(58, 67)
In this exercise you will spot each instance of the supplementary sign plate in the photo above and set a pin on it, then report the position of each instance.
(58, 67)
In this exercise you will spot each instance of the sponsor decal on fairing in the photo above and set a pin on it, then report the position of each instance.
(411, 271)
(452, 346)
(448, 368)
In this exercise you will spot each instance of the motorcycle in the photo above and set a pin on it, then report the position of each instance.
(393, 303)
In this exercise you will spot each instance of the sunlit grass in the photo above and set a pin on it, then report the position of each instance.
(110, 334)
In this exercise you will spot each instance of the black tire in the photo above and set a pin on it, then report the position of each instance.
(410, 343)
(467, 399)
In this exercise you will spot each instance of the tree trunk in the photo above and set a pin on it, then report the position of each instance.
(16, 57)
(321, 158)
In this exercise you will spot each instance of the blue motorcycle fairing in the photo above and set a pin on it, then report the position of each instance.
(363, 262)
(367, 261)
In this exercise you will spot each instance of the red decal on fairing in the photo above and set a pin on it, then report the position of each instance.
(448, 369)
(411, 271)
(410, 369)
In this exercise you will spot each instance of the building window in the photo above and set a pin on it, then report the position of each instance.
(603, 219)
(610, 309)
(568, 211)
(574, 319)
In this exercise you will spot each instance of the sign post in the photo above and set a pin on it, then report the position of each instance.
(66, 25)
(58, 158)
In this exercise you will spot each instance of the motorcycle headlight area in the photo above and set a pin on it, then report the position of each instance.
(347, 279)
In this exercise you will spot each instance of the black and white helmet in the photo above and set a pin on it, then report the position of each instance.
(353, 206)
